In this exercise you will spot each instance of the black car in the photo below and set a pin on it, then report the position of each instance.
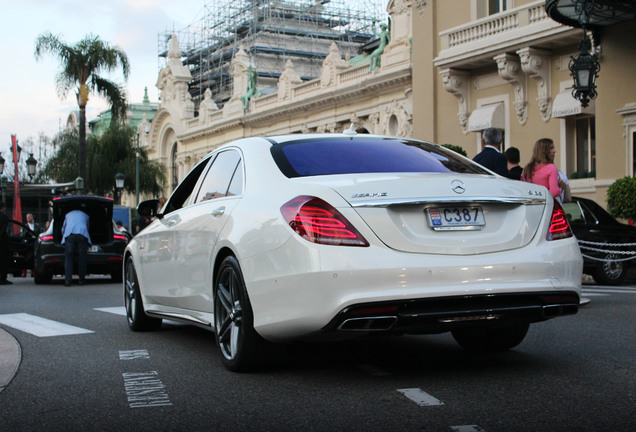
(105, 255)
(608, 246)
(20, 240)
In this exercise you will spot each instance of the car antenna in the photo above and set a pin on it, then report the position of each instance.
(351, 130)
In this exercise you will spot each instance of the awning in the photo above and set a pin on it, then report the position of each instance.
(487, 116)
(565, 105)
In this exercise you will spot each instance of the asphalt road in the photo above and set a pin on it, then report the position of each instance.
(575, 373)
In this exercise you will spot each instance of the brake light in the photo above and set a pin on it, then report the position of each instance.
(119, 237)
(559, 226)
(46, 238)
(318, 222)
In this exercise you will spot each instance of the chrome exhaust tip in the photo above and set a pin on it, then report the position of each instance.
(381, 323)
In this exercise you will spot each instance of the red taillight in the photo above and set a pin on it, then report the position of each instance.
(318, 222)
(119, 237)
(46, 238)
(559, 226)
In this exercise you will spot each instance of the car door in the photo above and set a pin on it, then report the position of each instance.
(199, 228)
(20, 241)
(157, 244)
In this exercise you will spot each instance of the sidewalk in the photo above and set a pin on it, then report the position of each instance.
(10, 356)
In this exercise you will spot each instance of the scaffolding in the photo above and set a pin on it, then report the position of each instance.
(271, 32)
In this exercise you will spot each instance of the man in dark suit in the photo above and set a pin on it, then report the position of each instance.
(490, 155)
(4, 245)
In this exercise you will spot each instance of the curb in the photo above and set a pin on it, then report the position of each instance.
(10, 356)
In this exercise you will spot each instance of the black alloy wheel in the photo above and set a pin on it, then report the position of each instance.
(241, 348)
(137, 318)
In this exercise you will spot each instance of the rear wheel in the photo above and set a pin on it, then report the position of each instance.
(42, 277)
(240, 346)
(610, 272)
(137, 318)
(491, 339)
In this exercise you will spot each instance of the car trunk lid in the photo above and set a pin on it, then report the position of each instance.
(411, 212)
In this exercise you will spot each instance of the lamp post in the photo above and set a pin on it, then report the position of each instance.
(137, 166)
(119, 185)
(31, 164)
(4, 183)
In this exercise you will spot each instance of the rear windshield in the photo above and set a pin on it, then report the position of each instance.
(325, 156)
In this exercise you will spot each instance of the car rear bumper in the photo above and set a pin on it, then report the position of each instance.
(299, 291)
(97, 263)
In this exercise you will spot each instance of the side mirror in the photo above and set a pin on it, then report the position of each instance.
(148, 208)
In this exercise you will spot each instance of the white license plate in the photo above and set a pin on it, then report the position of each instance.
(456, 218)
(93, 248)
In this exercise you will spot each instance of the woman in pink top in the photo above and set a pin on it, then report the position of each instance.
(541, 170)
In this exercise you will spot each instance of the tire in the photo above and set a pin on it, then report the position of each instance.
(42, 277)
(116, 276)
(241, 348)
(135, 315)
(610, 272)
(491, 339)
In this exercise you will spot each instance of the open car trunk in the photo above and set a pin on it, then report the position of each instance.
(100, 213)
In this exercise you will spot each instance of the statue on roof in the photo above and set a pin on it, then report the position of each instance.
(385, 38)
(252, 91)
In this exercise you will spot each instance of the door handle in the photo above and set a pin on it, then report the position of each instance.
(218, 212)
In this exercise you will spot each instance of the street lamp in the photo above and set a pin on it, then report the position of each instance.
(19, 151)
(4, 183)
(137, 166)
(119, 185)
(31, 164)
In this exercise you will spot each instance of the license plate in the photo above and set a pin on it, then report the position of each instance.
(456, 218)
(93, 248)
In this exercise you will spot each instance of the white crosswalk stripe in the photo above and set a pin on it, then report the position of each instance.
(40, 327)
(117, 310)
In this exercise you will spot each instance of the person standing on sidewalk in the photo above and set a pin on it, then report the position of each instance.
(4, 245)
(76, 240)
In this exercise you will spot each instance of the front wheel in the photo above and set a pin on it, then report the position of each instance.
(241, 348)
(137, 318)
(491, 339)
(610, 272)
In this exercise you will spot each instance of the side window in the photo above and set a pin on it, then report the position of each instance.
(183, 192)
(574, 213)
(236, 186)
(217, 180)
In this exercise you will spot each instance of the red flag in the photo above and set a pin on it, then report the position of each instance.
(17, 205)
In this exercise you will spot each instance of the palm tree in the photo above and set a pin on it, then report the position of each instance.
(81, 64)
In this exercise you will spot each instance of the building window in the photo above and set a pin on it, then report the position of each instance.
(496, 6)
(582, 149)
(484, 8)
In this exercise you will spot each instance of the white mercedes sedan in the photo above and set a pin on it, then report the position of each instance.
(299, 237)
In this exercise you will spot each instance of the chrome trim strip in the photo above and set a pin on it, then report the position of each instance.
(449, 200)
(178, 317)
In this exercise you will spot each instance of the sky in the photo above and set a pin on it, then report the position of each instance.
(29, 104)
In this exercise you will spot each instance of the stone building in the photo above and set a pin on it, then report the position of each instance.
(450, 69)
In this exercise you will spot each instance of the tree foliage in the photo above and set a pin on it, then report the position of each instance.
(81, 68)
(621, 198)
(108, 154)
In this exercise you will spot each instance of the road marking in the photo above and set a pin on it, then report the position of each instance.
(420, 397)
(118, 310)
(145, 390)
(134, 355)
(374, 370)
(40, 327)
(591, 294)
(468, 428)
